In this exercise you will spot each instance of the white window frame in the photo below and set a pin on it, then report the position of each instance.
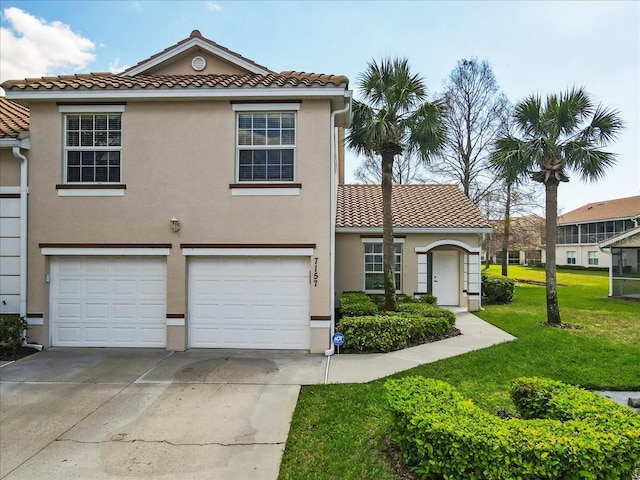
(592, 258)
(266, 108)
(398, 242)
(571, 257)
(67, 110)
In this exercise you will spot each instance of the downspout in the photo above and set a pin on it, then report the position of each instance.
(24, 191)
(332, 214)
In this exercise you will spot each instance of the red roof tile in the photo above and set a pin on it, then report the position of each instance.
(108, 81)
(14, 119)
(414, 206)
(606, 210)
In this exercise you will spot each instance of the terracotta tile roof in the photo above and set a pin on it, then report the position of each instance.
(107, 81)
(414, 206)
(606, 210)
(14, 119)
(197, 34)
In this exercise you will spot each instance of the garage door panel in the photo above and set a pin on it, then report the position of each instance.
(94, 311)
(247, 302)
(108, 301)
(68, 335)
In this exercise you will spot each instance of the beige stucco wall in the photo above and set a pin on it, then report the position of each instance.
(582, 255)
(182, 65)
(9, 168)
(178, 158)
(350, 261)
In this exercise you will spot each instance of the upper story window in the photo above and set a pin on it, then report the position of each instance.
(92, 144)
(266, 145)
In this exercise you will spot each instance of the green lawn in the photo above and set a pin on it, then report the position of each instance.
(341, 431)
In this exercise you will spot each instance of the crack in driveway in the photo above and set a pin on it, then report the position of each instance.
(168, 442)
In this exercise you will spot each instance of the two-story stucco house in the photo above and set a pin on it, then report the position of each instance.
(190, 202)
(581, 231)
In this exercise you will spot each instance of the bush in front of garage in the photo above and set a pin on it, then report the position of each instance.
(12, 332)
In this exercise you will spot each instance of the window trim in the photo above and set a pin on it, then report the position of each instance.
(397, 242)
(90, 188)
(265, 108)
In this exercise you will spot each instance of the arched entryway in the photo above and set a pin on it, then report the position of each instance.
(450, 270)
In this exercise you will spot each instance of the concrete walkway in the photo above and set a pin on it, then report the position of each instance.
(476, 334)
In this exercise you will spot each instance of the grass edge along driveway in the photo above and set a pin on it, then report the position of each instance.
(342, 431)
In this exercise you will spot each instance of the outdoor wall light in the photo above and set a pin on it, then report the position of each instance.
(175, 224)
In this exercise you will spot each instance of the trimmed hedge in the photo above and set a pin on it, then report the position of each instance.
(497, 289)
(443, 435)
(427, 310)
(386, 332)
(379, 299)
(430, 299)
(356, 304)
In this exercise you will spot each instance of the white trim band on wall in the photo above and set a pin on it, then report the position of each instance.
(175, 322)
(264, 107)
(91, 108)
(105, 251)
(320, 323)
(92, 192)
(248, 252)
(263, 192)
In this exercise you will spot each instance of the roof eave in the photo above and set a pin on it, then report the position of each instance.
(177, 94)
(607, 219)
(629, 233)
(408, 230)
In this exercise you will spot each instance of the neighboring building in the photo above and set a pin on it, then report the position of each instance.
(189, 202)
(624, 272)
(581, 231)
(437, 232)
(14, 146)
(525, 240)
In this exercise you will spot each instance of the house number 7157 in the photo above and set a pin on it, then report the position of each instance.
(315, 272)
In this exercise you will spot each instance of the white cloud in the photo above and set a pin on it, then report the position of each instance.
(115, 67)
(214, 7)
(33, 47)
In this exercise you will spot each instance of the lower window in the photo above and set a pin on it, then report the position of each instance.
(571, 257)
(373, 266)
(593, 258)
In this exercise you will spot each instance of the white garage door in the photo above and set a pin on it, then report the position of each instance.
(249, 302)
(108, 301)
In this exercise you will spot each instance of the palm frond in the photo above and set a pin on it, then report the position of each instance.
(589, 163)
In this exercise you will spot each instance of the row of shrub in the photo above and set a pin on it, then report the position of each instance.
(416, 321)
(565, 433)
(573, 267)
(497, 289)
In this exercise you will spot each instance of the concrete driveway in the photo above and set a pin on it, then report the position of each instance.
(148, 413)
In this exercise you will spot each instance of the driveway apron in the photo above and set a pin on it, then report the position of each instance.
(148, 413)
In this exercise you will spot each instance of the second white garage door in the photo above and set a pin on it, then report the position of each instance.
(249, 302)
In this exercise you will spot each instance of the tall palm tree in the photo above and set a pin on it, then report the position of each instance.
(566, 133)
(393, 118)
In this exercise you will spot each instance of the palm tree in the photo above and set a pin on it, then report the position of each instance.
(565, 134)
(393, 118)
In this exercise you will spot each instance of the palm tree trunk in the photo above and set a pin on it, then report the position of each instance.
(551, 207)
(388, 250)
(507, 232)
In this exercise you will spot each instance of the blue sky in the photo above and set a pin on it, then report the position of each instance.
(533, 47)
